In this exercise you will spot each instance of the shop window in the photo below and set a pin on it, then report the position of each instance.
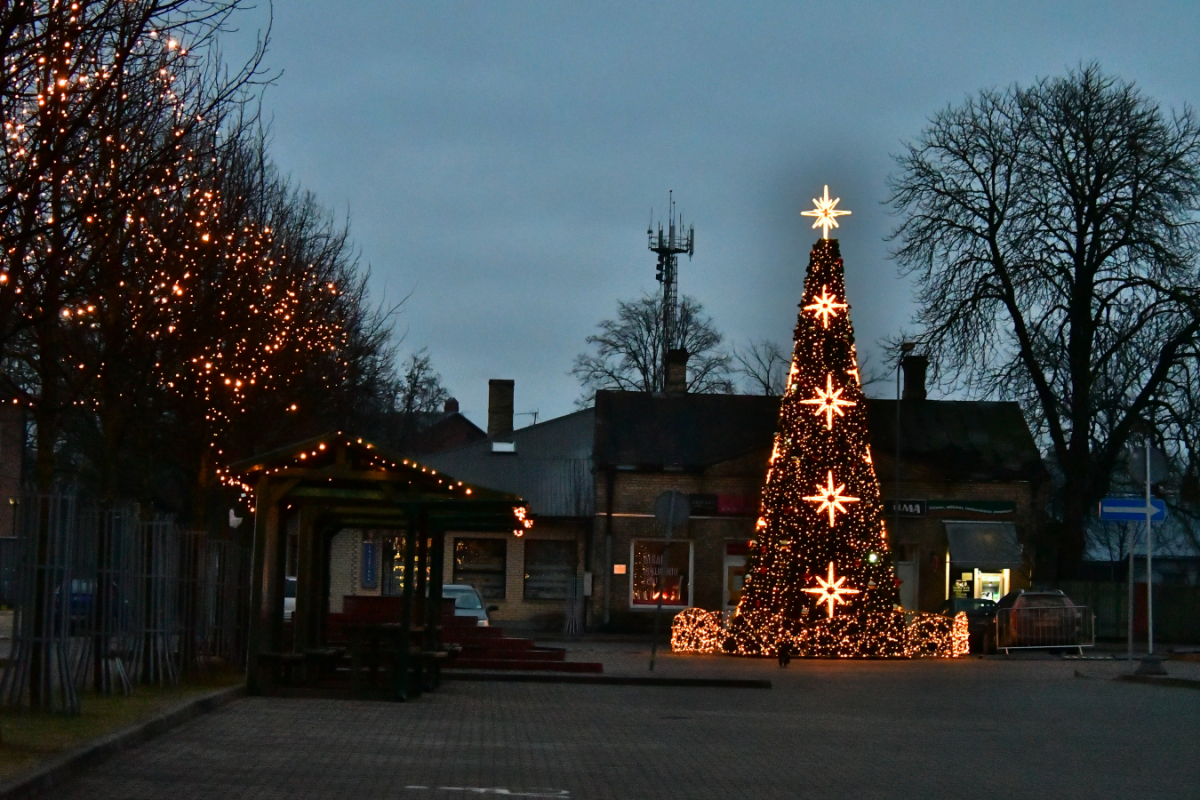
(655, 563)
(549, 569)
(393, 566)
(481, 563)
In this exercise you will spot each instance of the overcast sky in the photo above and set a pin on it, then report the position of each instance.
(499, 160)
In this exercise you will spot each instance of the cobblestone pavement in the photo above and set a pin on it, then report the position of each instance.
(873, 729)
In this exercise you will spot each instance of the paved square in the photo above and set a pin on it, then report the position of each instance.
(912, 729)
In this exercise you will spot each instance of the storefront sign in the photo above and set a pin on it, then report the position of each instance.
(717, 505)
(908, 508)
(990, 508)
(658, 564)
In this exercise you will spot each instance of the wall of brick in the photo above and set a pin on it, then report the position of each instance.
(921, 540)
(514, 610)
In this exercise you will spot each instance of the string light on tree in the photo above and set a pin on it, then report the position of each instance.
(831, 590)
(825, 306)
(829, 402)
(819, 540)
(830, 498)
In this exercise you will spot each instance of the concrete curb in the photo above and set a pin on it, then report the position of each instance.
(602, 680)
(61, 769)
(1149, 680)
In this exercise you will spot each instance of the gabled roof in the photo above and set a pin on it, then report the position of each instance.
(969, 440)
(550, 465)
(362, 484)
(649, 431)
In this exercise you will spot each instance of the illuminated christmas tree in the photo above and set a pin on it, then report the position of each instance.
(819, 577)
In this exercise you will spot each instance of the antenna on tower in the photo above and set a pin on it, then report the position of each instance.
(669, 247)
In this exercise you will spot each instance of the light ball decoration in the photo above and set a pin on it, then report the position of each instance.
(819, 574)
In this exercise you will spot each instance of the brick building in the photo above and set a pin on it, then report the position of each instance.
(535, 580)
(971, 491)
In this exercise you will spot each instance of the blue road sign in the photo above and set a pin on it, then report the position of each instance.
(1131, 509)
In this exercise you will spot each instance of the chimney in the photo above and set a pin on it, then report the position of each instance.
(677, 371)
(500, 407)
(914, 377)
(451, 406)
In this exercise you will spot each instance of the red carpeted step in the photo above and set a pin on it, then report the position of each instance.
(532, 654)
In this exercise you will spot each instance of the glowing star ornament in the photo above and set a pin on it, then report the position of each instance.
(825, 212)
(831, 590)
(831, 499)
(825, 306)
(829, 402)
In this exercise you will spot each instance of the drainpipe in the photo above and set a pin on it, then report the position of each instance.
(609, 490)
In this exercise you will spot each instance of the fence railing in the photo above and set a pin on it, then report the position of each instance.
(1020, 628)
(106, 598)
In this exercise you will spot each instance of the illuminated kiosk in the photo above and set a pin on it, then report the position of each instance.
(323, 485)
(819, 572)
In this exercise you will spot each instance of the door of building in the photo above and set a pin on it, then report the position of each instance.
(991, 585)
(906, 571)
(735, 573)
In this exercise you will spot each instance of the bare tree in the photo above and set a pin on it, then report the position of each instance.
(627, 351)
(763, 365)
(1049, 229)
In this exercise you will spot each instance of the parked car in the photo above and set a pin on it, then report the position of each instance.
(467, 602)
(979, 613)
(1025, 619)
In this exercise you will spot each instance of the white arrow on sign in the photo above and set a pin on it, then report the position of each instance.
(1131, 509)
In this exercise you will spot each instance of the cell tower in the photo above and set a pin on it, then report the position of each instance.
(669, 246)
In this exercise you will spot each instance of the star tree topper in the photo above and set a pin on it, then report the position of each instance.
(825, 213)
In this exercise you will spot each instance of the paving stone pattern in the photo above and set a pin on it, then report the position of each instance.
(903, 729)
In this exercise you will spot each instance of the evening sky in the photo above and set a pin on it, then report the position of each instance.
(499, 160)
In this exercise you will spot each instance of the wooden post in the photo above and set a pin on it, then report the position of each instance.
(266, 519)
(306, 583)
(410, 557)
(437, 567)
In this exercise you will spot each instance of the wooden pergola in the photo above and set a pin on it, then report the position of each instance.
(337, 481)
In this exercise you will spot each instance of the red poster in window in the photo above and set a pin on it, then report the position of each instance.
(659, 565)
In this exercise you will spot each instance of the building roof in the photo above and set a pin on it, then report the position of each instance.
(970, 440)
(652, 431)
(550, 464)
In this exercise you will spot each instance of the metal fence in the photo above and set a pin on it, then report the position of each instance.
(1020, 628)
(107, 598)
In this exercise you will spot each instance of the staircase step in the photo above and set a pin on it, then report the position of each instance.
(513, 655)
(525, 665)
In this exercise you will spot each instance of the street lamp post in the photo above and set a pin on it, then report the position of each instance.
(905, 349)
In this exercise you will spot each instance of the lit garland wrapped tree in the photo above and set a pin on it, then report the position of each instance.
(819, 577)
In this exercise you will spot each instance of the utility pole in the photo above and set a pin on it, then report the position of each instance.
(905, 349)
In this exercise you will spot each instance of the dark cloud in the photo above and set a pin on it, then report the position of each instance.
(499, 160)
